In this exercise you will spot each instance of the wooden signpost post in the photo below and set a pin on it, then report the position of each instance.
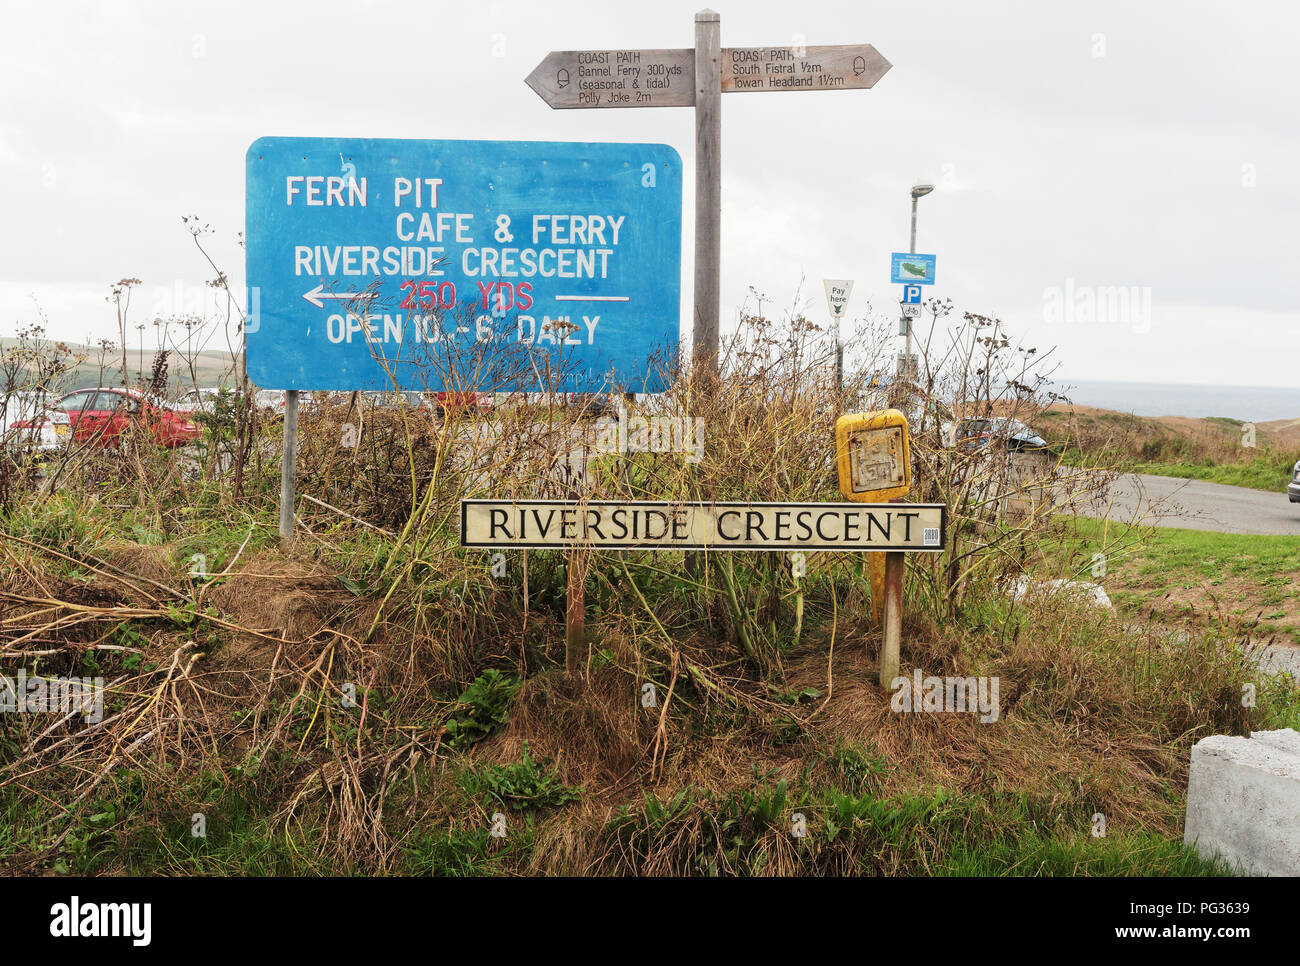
(581, 526)
(697, 78)
(874, 460)
(625, 77)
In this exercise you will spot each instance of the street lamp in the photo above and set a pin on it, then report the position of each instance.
(918, 191)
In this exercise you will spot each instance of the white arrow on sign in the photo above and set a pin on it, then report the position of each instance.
(318, 293)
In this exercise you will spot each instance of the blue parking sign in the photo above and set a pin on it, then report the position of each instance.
(488, 265)
(911, 295)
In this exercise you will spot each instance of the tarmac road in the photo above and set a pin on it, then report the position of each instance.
(1197, 505)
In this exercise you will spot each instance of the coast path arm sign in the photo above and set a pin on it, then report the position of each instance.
(622, 77)
(649, 525)
(433, 260)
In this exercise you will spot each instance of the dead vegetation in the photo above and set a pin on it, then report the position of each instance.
(379, 700)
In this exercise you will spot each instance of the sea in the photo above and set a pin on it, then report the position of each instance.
(1256, 404)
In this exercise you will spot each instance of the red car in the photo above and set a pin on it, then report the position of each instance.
(99, 417)
(461, 401)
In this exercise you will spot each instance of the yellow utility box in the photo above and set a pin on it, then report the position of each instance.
(873, 456)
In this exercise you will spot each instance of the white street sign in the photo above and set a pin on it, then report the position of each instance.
(838, 291)
(702, 526)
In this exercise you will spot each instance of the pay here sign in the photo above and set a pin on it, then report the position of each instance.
(462, 264)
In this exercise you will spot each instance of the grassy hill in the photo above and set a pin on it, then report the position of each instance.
(1218, 449)
(210, 368)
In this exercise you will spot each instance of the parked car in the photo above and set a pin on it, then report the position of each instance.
(593, 404)
(100, 417)
(461, 401)
(977, 434)
(196, 400)
(1293, 488)
(45, 433)
(395, 398)
(270, 401)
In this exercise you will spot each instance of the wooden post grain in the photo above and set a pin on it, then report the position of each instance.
(575, 610)
(876, 572)
(708, 190)
(893, 630)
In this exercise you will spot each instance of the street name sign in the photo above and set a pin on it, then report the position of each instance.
(838, 291)
(906, 268)
(650, 525)
(569, 79)
(367, 258)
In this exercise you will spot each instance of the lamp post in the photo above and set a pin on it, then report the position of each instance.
(918, 191)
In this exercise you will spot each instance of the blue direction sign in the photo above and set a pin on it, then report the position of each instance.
(905, 269)
(911, 295)
(488, 265)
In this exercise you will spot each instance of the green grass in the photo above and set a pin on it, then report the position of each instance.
(1034, 854)
(926, 833)
(1252, 577)
(1271, 472)
(1203, 554)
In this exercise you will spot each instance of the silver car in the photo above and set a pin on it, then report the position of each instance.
(1293, 488)
(44, 433)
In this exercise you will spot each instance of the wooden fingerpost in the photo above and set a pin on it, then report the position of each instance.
(708, 191)
(876, 573)
(575, 610)
(892, 638)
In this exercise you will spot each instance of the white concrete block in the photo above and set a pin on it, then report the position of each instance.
(1243, 801)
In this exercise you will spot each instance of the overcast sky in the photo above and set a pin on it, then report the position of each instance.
(1147, 147)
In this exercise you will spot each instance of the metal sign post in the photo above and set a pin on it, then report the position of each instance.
(568, 79)
(838, 291)
(288, 468)
(376, 264)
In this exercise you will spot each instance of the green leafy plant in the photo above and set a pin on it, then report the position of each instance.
(528, 783)
(481, 709)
